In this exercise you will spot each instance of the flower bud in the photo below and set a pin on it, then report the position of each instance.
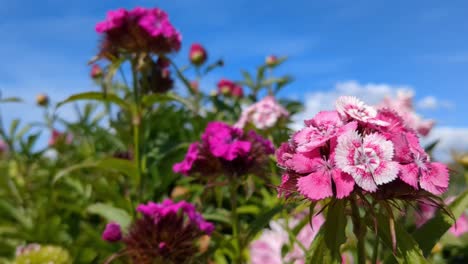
(96, 72)
(271, 61)
(42, 99)
(197, 54)
(112, 233)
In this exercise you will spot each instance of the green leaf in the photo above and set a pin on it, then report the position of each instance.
(262, 221)
(428, 235)
(11, 100)
(111, 213)
(97, 96)
(326, 246)
(248, 81)
(407, 250)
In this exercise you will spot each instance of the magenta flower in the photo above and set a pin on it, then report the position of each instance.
(416, 169)
(461, 226)
(197, 54)
(323, 127)
(115, 19)
(367, 159)
(228, 87)
(226, 150)
(112, 233)
(351, 108)
(263, 114)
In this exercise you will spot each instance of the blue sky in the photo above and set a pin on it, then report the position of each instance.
(422, 45)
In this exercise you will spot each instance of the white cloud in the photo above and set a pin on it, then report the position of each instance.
(430, 102)
(451, 139)
(371, 93)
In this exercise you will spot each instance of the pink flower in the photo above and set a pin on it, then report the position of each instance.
(224, 141)
(228, 87)
(415, 166)
(186, 165)
(112, 233)
(426, 212)
(114, 20)
(350, 107)
(269, 246)
(461, 226)
(197, 54)
(367, 159)
(323, 127)
(263, 114)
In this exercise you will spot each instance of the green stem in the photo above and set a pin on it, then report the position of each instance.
(375, 253)
(136, 122)
(235, 223)
(360, 232)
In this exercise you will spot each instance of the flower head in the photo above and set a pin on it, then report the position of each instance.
(138, 30)
(112, 233)
(228, 87)
(197, 54)
(351, 108)
(263, 114)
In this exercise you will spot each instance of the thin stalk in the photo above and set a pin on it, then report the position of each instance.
(375, 253)
(235, 223)
(136, 122)
(360, 232)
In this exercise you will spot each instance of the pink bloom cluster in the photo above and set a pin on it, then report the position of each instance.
(225, 149)
(356, 145)
(263, 114)
(403, 106)
(268, 247)
(168, 207)
(138, 30)
(230, 88)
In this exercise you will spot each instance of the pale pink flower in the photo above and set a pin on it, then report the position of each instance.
(268, 247)
(367, 159)
(323, 127)
(263, 114)
(416, 169)
(349, 107)
(461, 226)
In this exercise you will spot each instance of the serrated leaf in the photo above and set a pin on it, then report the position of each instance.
(431, 232)
(111, 213)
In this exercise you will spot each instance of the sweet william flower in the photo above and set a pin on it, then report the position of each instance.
(112, 232)
(263, 114)
(351, 108)
(229, 88)
(368, 159)
(197, 54)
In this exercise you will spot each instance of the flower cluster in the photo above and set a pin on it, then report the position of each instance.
(356, 147)
(167, 232)
(230, 88)
(226, 150)
(138, 30)
(403, 105)
(268, 248)
(263, 114)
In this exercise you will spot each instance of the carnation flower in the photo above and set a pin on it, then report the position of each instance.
(167, 232)
(351, 108)
(226, 150)
(138, 30)
(268, 248)
(263, 114)
(112, 233)
(228, 87)
(197, 54)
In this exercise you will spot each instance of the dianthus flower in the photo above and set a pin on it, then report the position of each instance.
(167, 232)
(138, 30)
(263, 114)
(357, 148)
(226, 150)
(230, 88)
(403, 106)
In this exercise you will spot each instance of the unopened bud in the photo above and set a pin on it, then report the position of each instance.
(198, 54)
(271, 61)
(42, 99)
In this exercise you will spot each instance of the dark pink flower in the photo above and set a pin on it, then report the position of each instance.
(319, 130)
(197, 54)
(228, 87)
(367, 159)
(112, 233)
(416, 169)
(186, 165)
(114, 20)
(225, 141)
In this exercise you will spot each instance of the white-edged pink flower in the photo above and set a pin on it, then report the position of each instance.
(323, 127)
(349, 107)
(367, 159)
(263, 114)
(416, 169)
(268, 247)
